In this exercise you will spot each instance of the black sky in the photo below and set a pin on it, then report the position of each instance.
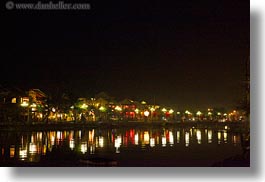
(190, 54)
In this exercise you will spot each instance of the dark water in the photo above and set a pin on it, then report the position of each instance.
(127, 146)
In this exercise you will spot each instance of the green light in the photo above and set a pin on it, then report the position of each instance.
(102, 109)
(84, 106)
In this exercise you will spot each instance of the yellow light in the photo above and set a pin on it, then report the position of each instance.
(146, 137)
(14, 100)
(225, 137)
(24, 104)
(209, 113)
(152, 109)
(178, 136)
(84, 106)
(102, 109)
(178, 112)
(164, 110)
(143, 102)
(198, 113)
(12, 151)
(219, 114)
(219, 136)
(33, 105)
(136, 111)
(187, 112)
(118, 108)
(171, 111)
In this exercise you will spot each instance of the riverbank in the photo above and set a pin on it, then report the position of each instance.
(233, 126)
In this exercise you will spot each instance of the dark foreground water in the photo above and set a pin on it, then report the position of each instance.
(139, 146)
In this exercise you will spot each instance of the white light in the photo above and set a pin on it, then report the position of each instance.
(117, 143)
(225, 137)
(210, 136)
(187, 139)
(83, 147)
(72, 144)
(146, 113)
(171, 138)
(118, 108)
(164, 141)
(199, 136)
(32, 148)
(33, 105)
(22, 153)
(101, 142)
(152, 142)
(53, 109)
(136, 138)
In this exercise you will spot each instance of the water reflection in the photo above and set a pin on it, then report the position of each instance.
(31, 146)
(187, 139)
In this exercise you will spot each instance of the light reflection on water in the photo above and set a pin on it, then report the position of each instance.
(31, 146)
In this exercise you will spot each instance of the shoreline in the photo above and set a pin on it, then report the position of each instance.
(232, 126)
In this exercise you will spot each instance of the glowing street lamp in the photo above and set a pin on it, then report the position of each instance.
(24, 104)
(102, 109)
(187, 112)
(199, 113)
(146, 113)
(152, 109)
(118, 108)
(164, 110)
(84, 106)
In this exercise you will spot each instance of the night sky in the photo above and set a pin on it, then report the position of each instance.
(187, 54)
